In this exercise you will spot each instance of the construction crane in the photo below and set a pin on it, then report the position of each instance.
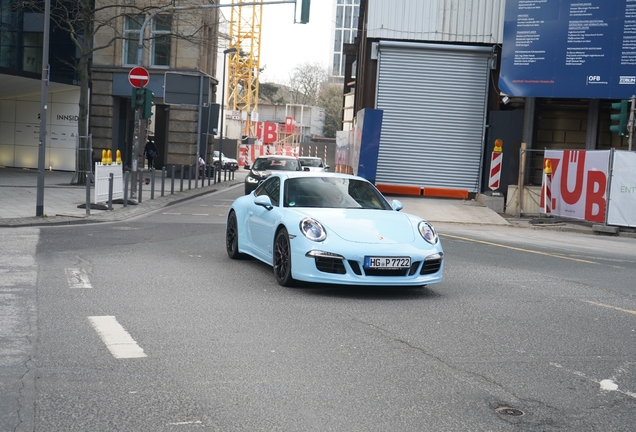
(244, 65)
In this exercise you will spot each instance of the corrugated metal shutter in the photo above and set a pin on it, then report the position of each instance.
(434, 101)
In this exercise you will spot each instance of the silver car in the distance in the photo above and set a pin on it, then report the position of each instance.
(310, 163)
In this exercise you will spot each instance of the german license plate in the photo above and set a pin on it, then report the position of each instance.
(387, 262)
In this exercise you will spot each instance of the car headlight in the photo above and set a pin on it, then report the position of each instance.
(428, 232)
(251, 179)
(313, 230)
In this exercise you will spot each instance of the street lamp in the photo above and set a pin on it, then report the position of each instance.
(225, 53)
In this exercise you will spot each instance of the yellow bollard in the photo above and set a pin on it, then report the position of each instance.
(109, 157)
(118, 157)
(104, 157)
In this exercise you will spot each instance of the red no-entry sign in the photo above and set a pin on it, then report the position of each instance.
(138, 77)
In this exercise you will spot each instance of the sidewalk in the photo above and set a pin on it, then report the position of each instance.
(18, 199)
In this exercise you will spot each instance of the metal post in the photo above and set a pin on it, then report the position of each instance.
(189, 177)
(126, 178)
(172, 182)
(163, 179)
(196, 182)
(110, 191)
(152, 183)
(225, 53)
(88, 195)
(141, 181)
(522, 176)
(39, 205)
(630, 125)
(181, 190)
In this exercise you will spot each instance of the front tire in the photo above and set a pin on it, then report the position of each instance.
(231, 237)
(282, 259)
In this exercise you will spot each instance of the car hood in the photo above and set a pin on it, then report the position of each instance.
(260, 174)
(365, 226)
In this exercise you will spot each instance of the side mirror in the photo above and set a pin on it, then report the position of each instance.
(246, 167)
(326, 167)
(306, 169)
(397, 205)
(263, 201)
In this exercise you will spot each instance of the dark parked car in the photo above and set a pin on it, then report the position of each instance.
(263, 167)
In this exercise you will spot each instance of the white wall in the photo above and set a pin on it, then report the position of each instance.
(468, 21)
(20, 131)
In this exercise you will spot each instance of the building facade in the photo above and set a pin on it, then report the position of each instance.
(21, 48)
(433, 68)
(344, 30)
(178, 41)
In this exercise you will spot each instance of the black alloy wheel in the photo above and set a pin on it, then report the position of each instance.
(282, 259)
(231, 237)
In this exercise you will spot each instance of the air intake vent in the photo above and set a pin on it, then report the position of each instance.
(431, 266)
(330, 265)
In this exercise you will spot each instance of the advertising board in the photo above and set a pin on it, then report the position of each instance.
(569, 49)
(622, 204)
(579, 184)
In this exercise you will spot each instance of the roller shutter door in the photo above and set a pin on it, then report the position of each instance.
(434, 101)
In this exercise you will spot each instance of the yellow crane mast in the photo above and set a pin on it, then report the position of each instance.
(244, 65)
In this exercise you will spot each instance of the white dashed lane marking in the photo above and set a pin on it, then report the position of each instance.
(117, 339)
(77, 278)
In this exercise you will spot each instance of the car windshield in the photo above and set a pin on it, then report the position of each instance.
(216, 155)
(333, 192)
(314, 163)
(280, 164)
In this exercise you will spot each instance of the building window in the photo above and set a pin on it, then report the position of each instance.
(32, 44)
(132, 26)
(336, 64)
(337, 41)
(161, 40)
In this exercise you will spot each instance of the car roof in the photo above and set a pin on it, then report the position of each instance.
(276, 157)
(304, 174)
(308, 157)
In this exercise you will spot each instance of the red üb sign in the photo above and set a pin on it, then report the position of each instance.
(138, 77)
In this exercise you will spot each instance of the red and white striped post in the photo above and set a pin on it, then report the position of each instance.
(547, 187)
(325, 160)
(495, 165)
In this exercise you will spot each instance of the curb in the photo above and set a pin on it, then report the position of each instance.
(119, 213)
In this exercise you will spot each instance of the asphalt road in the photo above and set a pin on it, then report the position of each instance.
(147, 325)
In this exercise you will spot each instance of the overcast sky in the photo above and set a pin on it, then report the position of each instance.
(285, 44)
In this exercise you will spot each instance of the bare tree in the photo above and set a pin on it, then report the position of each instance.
(305, 82)
(83, 20)
(330, 99)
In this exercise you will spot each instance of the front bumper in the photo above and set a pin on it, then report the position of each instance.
(426, 267)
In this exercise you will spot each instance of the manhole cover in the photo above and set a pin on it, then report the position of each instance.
(509, 411)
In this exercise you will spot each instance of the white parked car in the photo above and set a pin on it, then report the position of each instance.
(228, 162)
(309, 163)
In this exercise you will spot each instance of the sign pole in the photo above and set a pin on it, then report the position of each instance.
(138, 77)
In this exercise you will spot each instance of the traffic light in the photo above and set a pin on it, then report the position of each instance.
(146, 106)
(621, 117)
(142, 97)
(137, 97)
(304, 11)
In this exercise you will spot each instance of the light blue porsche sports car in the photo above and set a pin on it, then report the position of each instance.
(335, 229)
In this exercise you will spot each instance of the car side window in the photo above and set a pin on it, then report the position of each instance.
(271, 188)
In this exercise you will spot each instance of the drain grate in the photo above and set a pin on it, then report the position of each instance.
(509, 411)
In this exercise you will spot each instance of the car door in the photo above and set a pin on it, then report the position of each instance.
(261, 221)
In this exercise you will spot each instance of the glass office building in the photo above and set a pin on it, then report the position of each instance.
(345, 26)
